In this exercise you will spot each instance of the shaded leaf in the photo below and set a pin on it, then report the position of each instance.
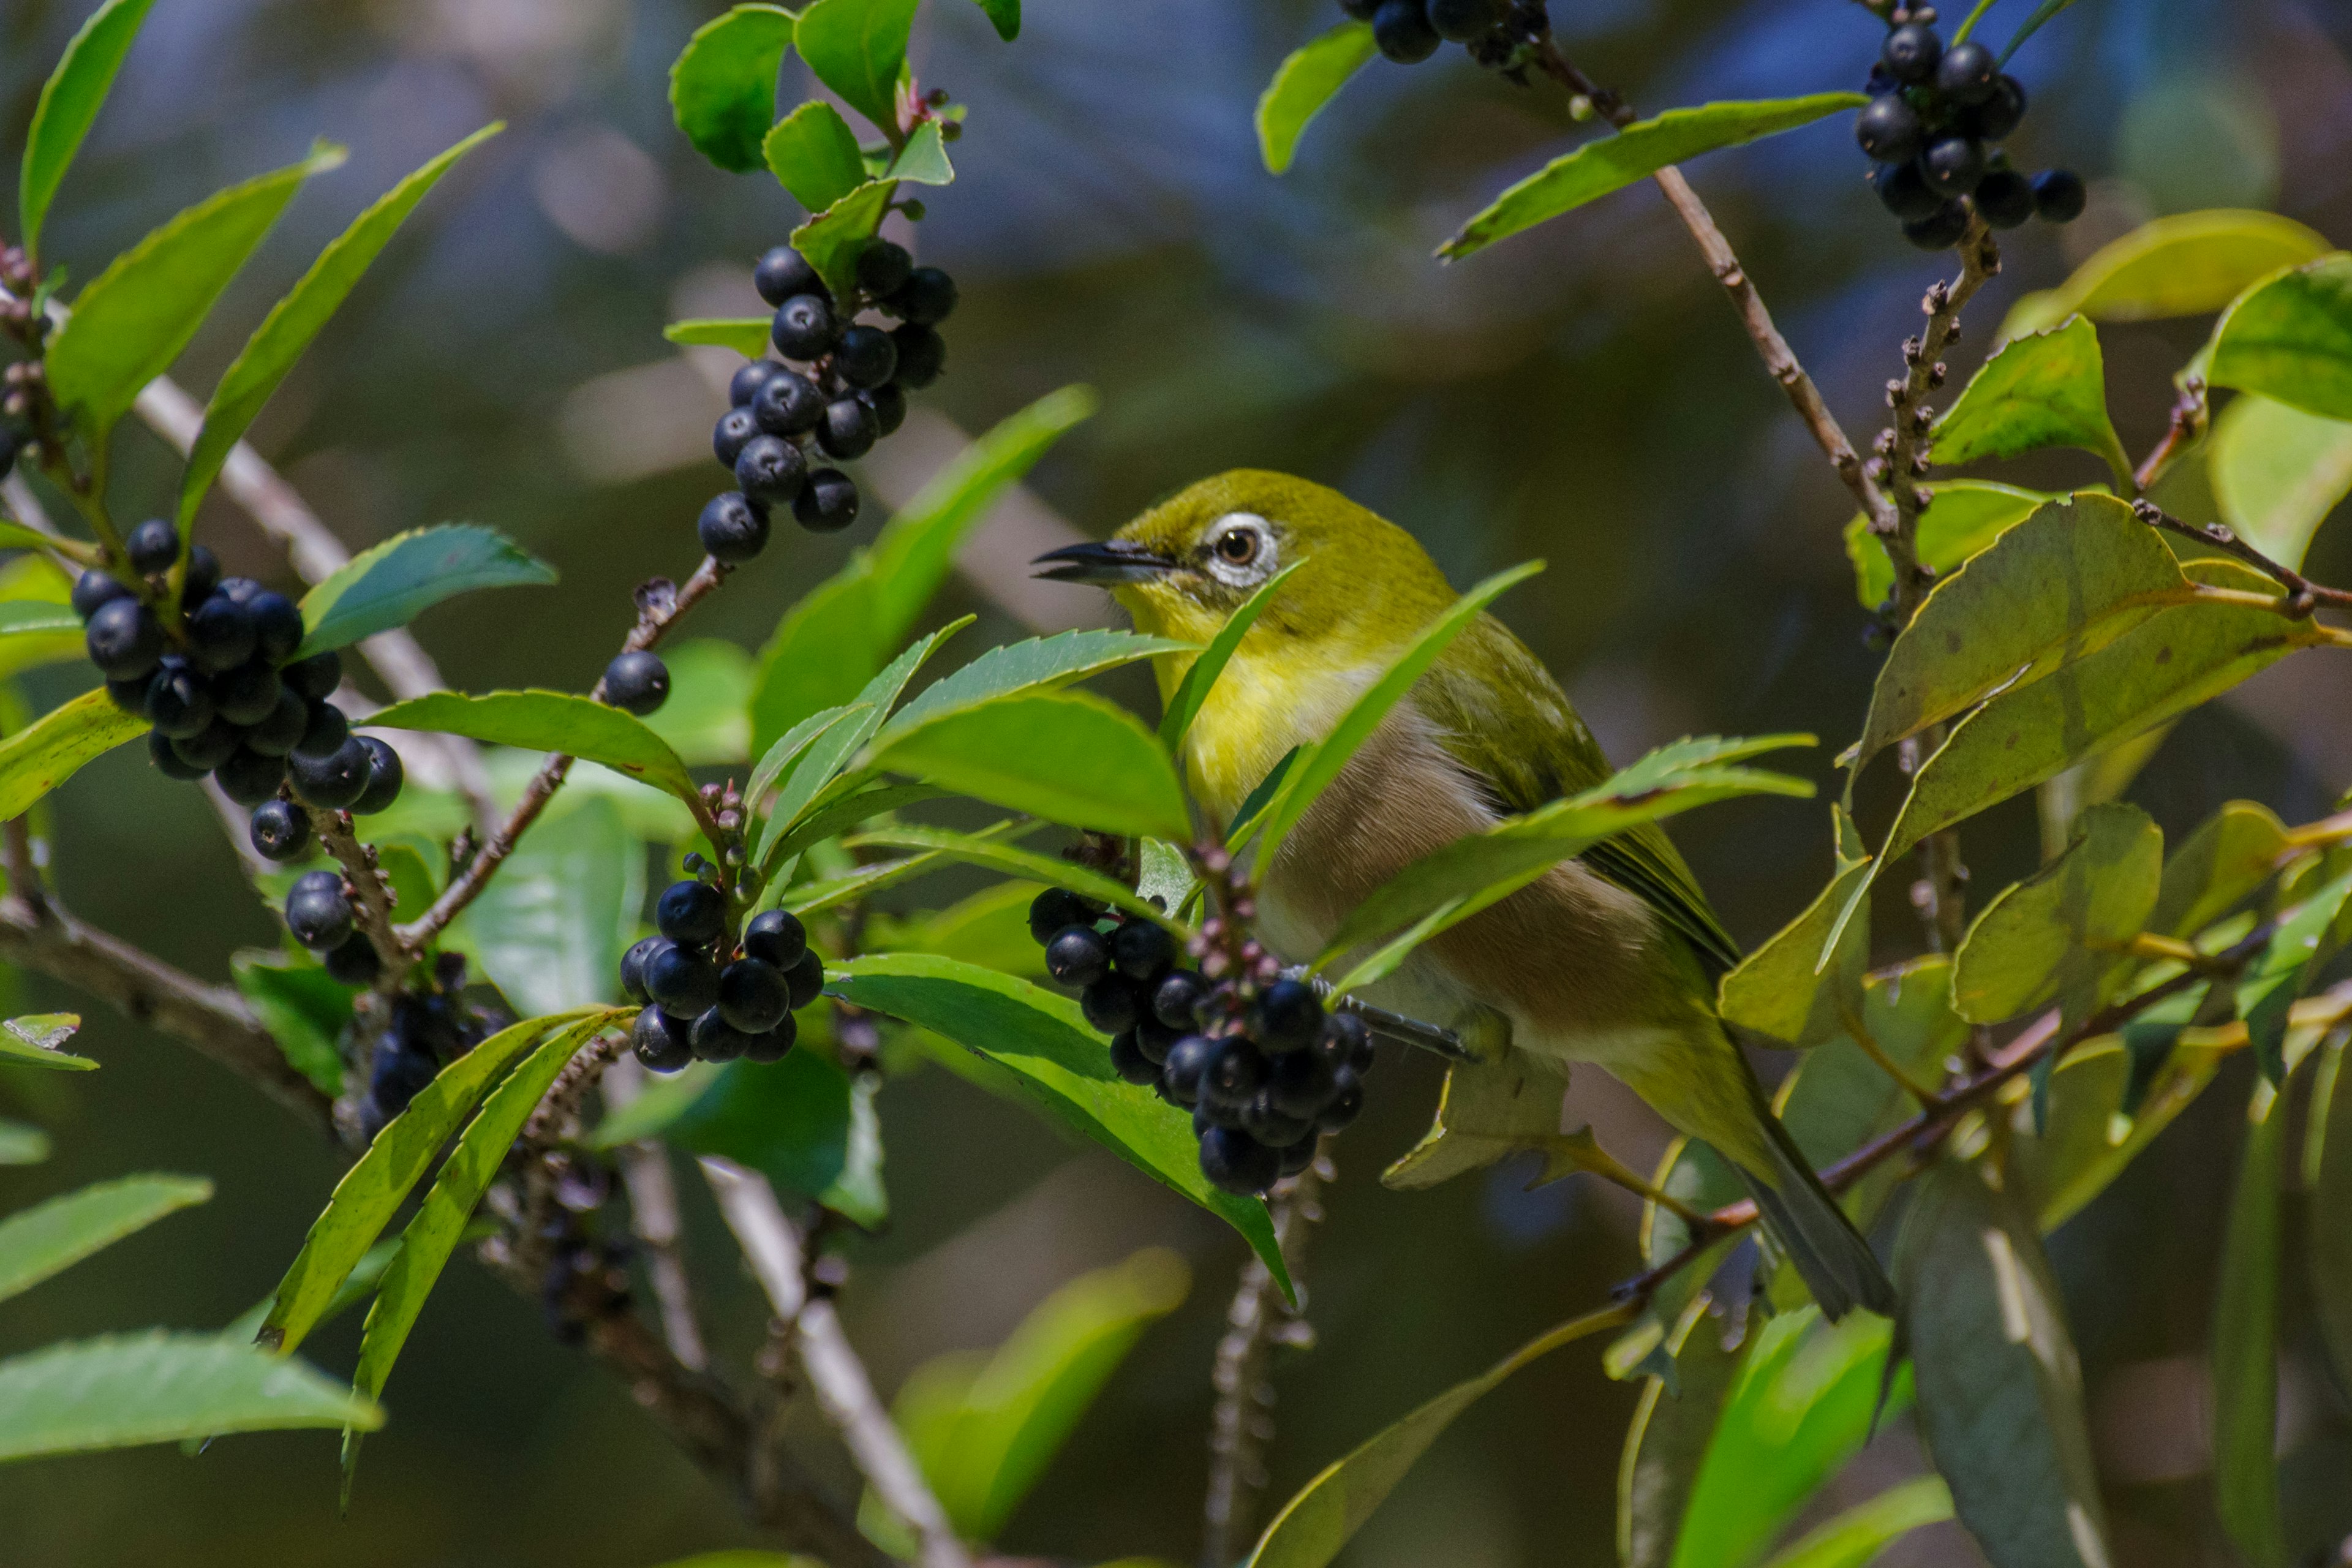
(1966, 516)
(122, 1391)
(847, 811)
(2058, 933)
(2095, 1128)
(1487, 1111)
(1004, 15)
(857, 47)
(2046, 390)
(36, 760)
(549, 930)
(1201, 673)
(2284, 971)
(2328, 1237)
(832, 239)
(1789, 990)
(2185, 264)
(924, 158)
(2290, 339)
(723, 89)
(706, 719)
(546, 721)
(2232, 853)
(39, 1038)
(2246, 1346)
(2277, 472)
(70, 99)
(1038, 664)
(747, 335)
(392, 584)
(823, 649)
(297, 319)
(1108, 771)
(22, 1144)
(133, 319)
(1855, 1538)
(20, 618)
(999, 856)
(52, 1237)
(1666, 1443)
(813, 154)
(1306, 81)
(304, 1008)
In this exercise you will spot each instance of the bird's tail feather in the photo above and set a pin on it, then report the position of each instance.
(1836, 1264)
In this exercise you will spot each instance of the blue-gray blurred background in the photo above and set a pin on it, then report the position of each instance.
(1581, 394)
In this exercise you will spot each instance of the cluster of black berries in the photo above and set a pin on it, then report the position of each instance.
(706, 997)
(222, 696)
(320, 915)
(1931, 127)
(1409, 31)
(1261, 1068)
(851, 392)
(425, 1033)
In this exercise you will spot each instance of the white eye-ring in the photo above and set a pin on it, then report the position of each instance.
(1241, 549)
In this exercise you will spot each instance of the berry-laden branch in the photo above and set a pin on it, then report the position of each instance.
(371, 899)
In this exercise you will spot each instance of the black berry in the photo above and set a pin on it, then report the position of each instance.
(889, 406)
(200, 576)
(209, 747)
(1952, 165)
(334, 781)
(1888, 129)
(160, 751)
(1401, 30)
(280, 830)
(883, 267)
(324, 731)
(715, 1039)
(694, 914)
(1287, 1016)
(130, 696)
(220, 633)
(277, 732)
(927, 297)
(1233, 1160)
(922, 354)
(803, 329)
(125, 640)
(783, 273)
(2059, 194)
(1296, 1159)
(1127, 1060)
(777, 937)
(662, 1043)
(1347, 1042)
(848, 428)
(1052, 910)
(314, 678)
(2005, 197)
(1941, 229)
(1177, 996)
(153, 546)
(399, 1073)
(1187, 1063)
(1273, 1127)
(744, 385)
(1347, 1103)
(178, 704)
(735, 426)
(2001, 112)
(1235, 1074)
(384, 778)
(249, 778)
(1911, 52)
(866, 357)
(1154, 1038)
(633, 966)
(355, 962)
(1300, 1084)
(753, 996)
(247, 694)
(636, 682)
(806, 978)
(1967, 73)
(788, 403)
(1141, 951)
(829, 502)
(682, 982)
(1906, 194)
(1077, 956)
(94, 588)
(1466, 21)
(770, 471)
(317, 913)
(773, 1045)
(732, 527)
(1110, 1005)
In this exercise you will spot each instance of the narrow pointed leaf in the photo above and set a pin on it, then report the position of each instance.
(1855, 1538)
(1666, 1443)
(548, 721)
(821, 651)
(723, 89)
(2246, 1344)
(999, 856)
(392, 584)
(1066, 756)
(2329, 1161)
(21, 617)
(1004, 15)
(1201, 675)
(1040, 664)
(125, 1390)
(1306, 80)
(52, 1237)
(38, 1039)
(2284, 971)
(36, 760)
(69, 102)
(847, 811)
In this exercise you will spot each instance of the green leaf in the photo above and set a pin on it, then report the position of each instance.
(36, 760)
(20, 618)
(2000, 1387)
(924, 158)
(999, 856)
(1321, 763)
(1308, 79)
(38, 1038)
(747, 336)
(2105, 1110)
(706, 719)
(1107, 769)
(2046, 390)
(2185, 264)
(983, 1430)
(915, 550)
(847, 811)
(1666, 1442)
(1789, 990)
(549, 930)
(1855, 1538)
(269, 355)
(2277, 472)
(124, 1390)
(1253, 808)
(1611, 162)
(21, 1143)
(135, 318)
(1840, 1096)
(52, 1237)
(433, 1235)
(1047, 1055)
(722, 90)
(832, 240)
(2290, 339)
(546, 721)
(2232, 853)
(813, 154)
(2246, 1345)
(392, 584)
(304, 1008)
(858, 48)
(69, 102)
(1014, 669)
(2041, 13)
(2060, 933)
(1966, 517)
(822, 651)
(1315, 1525)
(379, 1182)
(804, 898)
(1004, 15)
(2285, 972)
(2328, 1239)
(1201, 674)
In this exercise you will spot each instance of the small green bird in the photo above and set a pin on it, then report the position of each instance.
(1611, 958)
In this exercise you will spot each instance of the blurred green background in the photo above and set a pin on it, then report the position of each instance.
(1581, 394)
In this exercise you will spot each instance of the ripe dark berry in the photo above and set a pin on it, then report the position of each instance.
(220, 633)
(806, 978)
(1154, 1038)
(314, 678)
(753, 996)
(1233, 1160)
(280, 830)
(715, 1039)
(682, 982)
(1212, 1113)
(178, 704)
(732, 528)
(1888, 129)
(1188, 1061)
(153, 546)
(662, 1044)
(1287, 1016)
(277, 626)
(384, 778)
(160, 751)
(691, 913)
(1401, 31)
(735, 426)
(1347, 1102)
(125, 640)
(317, 913)
(922, 354)
(773, 1045)
(1912, 52)
(1301, 1083)
(1906, 194)
(889, 406)
(1466, 21)
(1175, 998)
(1111, 1004)
(633, 966)
(130, 696)
(745, 383)
(1296, 1159)
(883, 267)
(277, 732)
(1347, 1042)
(1235, 1073)
(399, 1072)
(1967, 73)
(775, 936)
(94, 588)
(1273, 1127)
(927, 297)
(355, 962)
(770, 471)
(848, 428)
(247, 694)
(1077, 956)
(1053, 908)
(324, 731)
(2059, 194)
(829, 502)
(209, 747)
(334, 781)
(249, 778)
(788, 403)
(200, 576)
(1142, 951)
(867, 357)
(2005, 197)
(1127, 1060)
(1939, 230)
(2000, 112)
(803, 329)
(783, 273)
(1952, 165)
(636, 682)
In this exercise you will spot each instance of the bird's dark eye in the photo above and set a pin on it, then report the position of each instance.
(1238, 545)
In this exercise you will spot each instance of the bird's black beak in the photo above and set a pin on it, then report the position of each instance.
(1108, 563)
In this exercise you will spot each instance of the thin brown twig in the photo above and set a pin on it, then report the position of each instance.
(2181, 432)
(2303, 594)
(371, 908)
